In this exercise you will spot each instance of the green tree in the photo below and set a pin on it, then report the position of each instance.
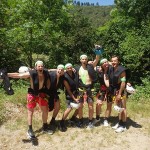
(127, 35)
(35, 26)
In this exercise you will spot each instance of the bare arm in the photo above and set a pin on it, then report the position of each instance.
(52, 70)
(19, 75)
(95, 62)
(106, 80)
(123, 83)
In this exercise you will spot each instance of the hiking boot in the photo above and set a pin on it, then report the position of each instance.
(115, 126)
(31, 134)
(63, 128)
(120, 129)
(53, 125)
(80, 124)
(90, 125)
(119, 109)
(47, 130)
(106, 123)
(72, 121)
(96, 121)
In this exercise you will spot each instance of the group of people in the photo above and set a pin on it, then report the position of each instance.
(78, 84)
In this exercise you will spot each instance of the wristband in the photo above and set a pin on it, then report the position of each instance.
(123, 79)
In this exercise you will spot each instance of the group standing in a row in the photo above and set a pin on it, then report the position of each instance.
(44, 85)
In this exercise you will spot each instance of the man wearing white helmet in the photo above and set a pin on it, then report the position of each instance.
(37, 93)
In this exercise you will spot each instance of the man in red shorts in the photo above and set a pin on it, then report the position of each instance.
(37, 93)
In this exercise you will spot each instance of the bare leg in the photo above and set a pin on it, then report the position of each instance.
(66, 113)
(56, 108)
(108, 110)
(30, 115)
(98, 107)
(91, 110)
(80, 111)
(44, 110)
(124, 113)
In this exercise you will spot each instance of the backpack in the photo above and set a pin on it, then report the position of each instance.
(6, 82)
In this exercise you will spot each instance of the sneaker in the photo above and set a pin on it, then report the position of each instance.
(47, 130)
(120, 129)
(119, 109)
(31, 134)
(90, 125)
(63, 128)
(115, 126)
(106, 123)
(96, 121)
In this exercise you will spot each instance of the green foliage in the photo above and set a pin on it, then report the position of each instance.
(142, 93)
(127, 35)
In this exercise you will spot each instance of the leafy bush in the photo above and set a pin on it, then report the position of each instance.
(142, 93)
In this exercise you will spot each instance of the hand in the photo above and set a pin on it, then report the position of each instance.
(118, 97)
(74, 70)
(76, 100)
(99, 102)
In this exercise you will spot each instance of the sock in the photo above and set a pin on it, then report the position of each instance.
(106, 118)
(44, 125)
(73, 118)
(81, 120)
(62, 122)
(90, 121)
(30, 127)
(124, 124)
(120, 122)
(52, 120)
(97, 117)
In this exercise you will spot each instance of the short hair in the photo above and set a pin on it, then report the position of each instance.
(116, 56)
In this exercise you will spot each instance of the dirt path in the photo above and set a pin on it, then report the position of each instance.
(13, 135)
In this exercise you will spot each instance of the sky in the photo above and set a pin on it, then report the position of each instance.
(101, 2)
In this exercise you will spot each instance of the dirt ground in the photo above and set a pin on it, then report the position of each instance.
(13, 134)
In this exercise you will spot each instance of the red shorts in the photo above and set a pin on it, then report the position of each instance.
(33, 99)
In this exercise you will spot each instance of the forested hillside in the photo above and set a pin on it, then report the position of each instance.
(97, 15)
